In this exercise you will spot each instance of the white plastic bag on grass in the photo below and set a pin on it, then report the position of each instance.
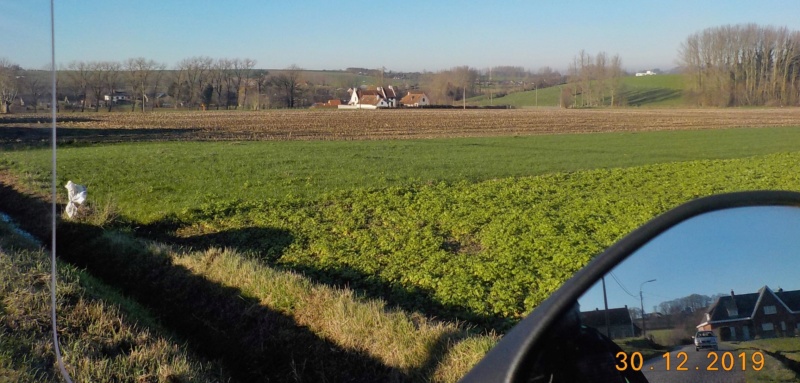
(77, 195)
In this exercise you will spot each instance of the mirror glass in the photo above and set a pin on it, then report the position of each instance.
(715, 296)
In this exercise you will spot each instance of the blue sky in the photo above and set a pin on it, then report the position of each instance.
(739, 249)
(403, 36)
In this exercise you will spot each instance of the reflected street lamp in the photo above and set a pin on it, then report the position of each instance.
(641, 302)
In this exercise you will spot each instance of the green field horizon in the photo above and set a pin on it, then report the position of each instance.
(134, 175)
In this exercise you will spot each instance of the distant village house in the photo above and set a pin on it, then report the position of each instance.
(379, 97)
(117, 97)
(415, 99)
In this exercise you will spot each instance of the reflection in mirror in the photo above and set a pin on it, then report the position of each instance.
(717, 295)
(714, 298)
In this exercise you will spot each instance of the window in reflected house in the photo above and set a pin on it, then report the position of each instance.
(769, 310)
(767, 326)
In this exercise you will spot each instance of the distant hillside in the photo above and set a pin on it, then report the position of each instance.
(659, 90)
(656, 91)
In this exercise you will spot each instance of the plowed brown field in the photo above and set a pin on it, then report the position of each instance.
(372, 125)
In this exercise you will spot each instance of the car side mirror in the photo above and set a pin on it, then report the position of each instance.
(748, 242)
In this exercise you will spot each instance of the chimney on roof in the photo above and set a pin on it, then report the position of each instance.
(732, 293)
(780, 289)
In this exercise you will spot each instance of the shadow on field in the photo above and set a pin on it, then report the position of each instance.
(253, 342)
(640, 97)
(269, 243)
(40, 136)
(11, 119)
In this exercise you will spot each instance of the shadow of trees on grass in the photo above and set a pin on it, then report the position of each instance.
(641, 97)
(12, 136)
(268, 244)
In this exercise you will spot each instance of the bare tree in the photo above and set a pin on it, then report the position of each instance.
(96, 83)
(241, 72)
(139, 74)
(261, 81)
(110, 73)
(178, 88)
(9, 84)
(597, 82)
(288, 83)
(157, 76)
(35, 86)
(743, 64)
(79, 75)
(195, 75)
(220, 75)
(615, 74)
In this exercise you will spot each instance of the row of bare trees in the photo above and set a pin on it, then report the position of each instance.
(194, 82)
(743, 65)
(452, 85)
(15, 81)
(594, 81)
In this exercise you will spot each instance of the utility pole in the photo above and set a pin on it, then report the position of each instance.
(641, 302)
(605, 302)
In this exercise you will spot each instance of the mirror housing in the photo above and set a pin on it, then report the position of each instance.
(513, 357)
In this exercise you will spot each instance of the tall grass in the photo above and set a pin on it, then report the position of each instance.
(424, 349)
(104, 336)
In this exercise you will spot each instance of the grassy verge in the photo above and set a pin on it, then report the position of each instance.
(269, 324)
(104, 336)
(781, 359)
(422, 348)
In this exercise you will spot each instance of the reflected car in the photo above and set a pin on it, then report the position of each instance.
(705, 339)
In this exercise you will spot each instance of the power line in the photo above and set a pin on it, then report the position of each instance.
(621, 286)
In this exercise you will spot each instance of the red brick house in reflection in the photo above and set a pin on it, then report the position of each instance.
(765, 314)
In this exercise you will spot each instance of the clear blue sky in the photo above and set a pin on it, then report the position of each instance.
(402, 36)
(739, 249)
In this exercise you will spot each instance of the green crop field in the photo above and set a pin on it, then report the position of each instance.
(149, 180)
(474, 230)
(478, 229)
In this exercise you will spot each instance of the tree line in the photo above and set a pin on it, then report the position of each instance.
(594, 81)
(193, 82)
(197, 82)
(743, 65)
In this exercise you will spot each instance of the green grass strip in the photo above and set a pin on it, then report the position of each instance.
(150, 180)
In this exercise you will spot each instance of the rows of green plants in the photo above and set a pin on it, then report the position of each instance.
(486, 252)
(148, 180)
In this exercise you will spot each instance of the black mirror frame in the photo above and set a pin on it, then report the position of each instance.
(509, 360)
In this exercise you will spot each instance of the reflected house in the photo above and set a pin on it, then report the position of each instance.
(619, 322)
(765, 314)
